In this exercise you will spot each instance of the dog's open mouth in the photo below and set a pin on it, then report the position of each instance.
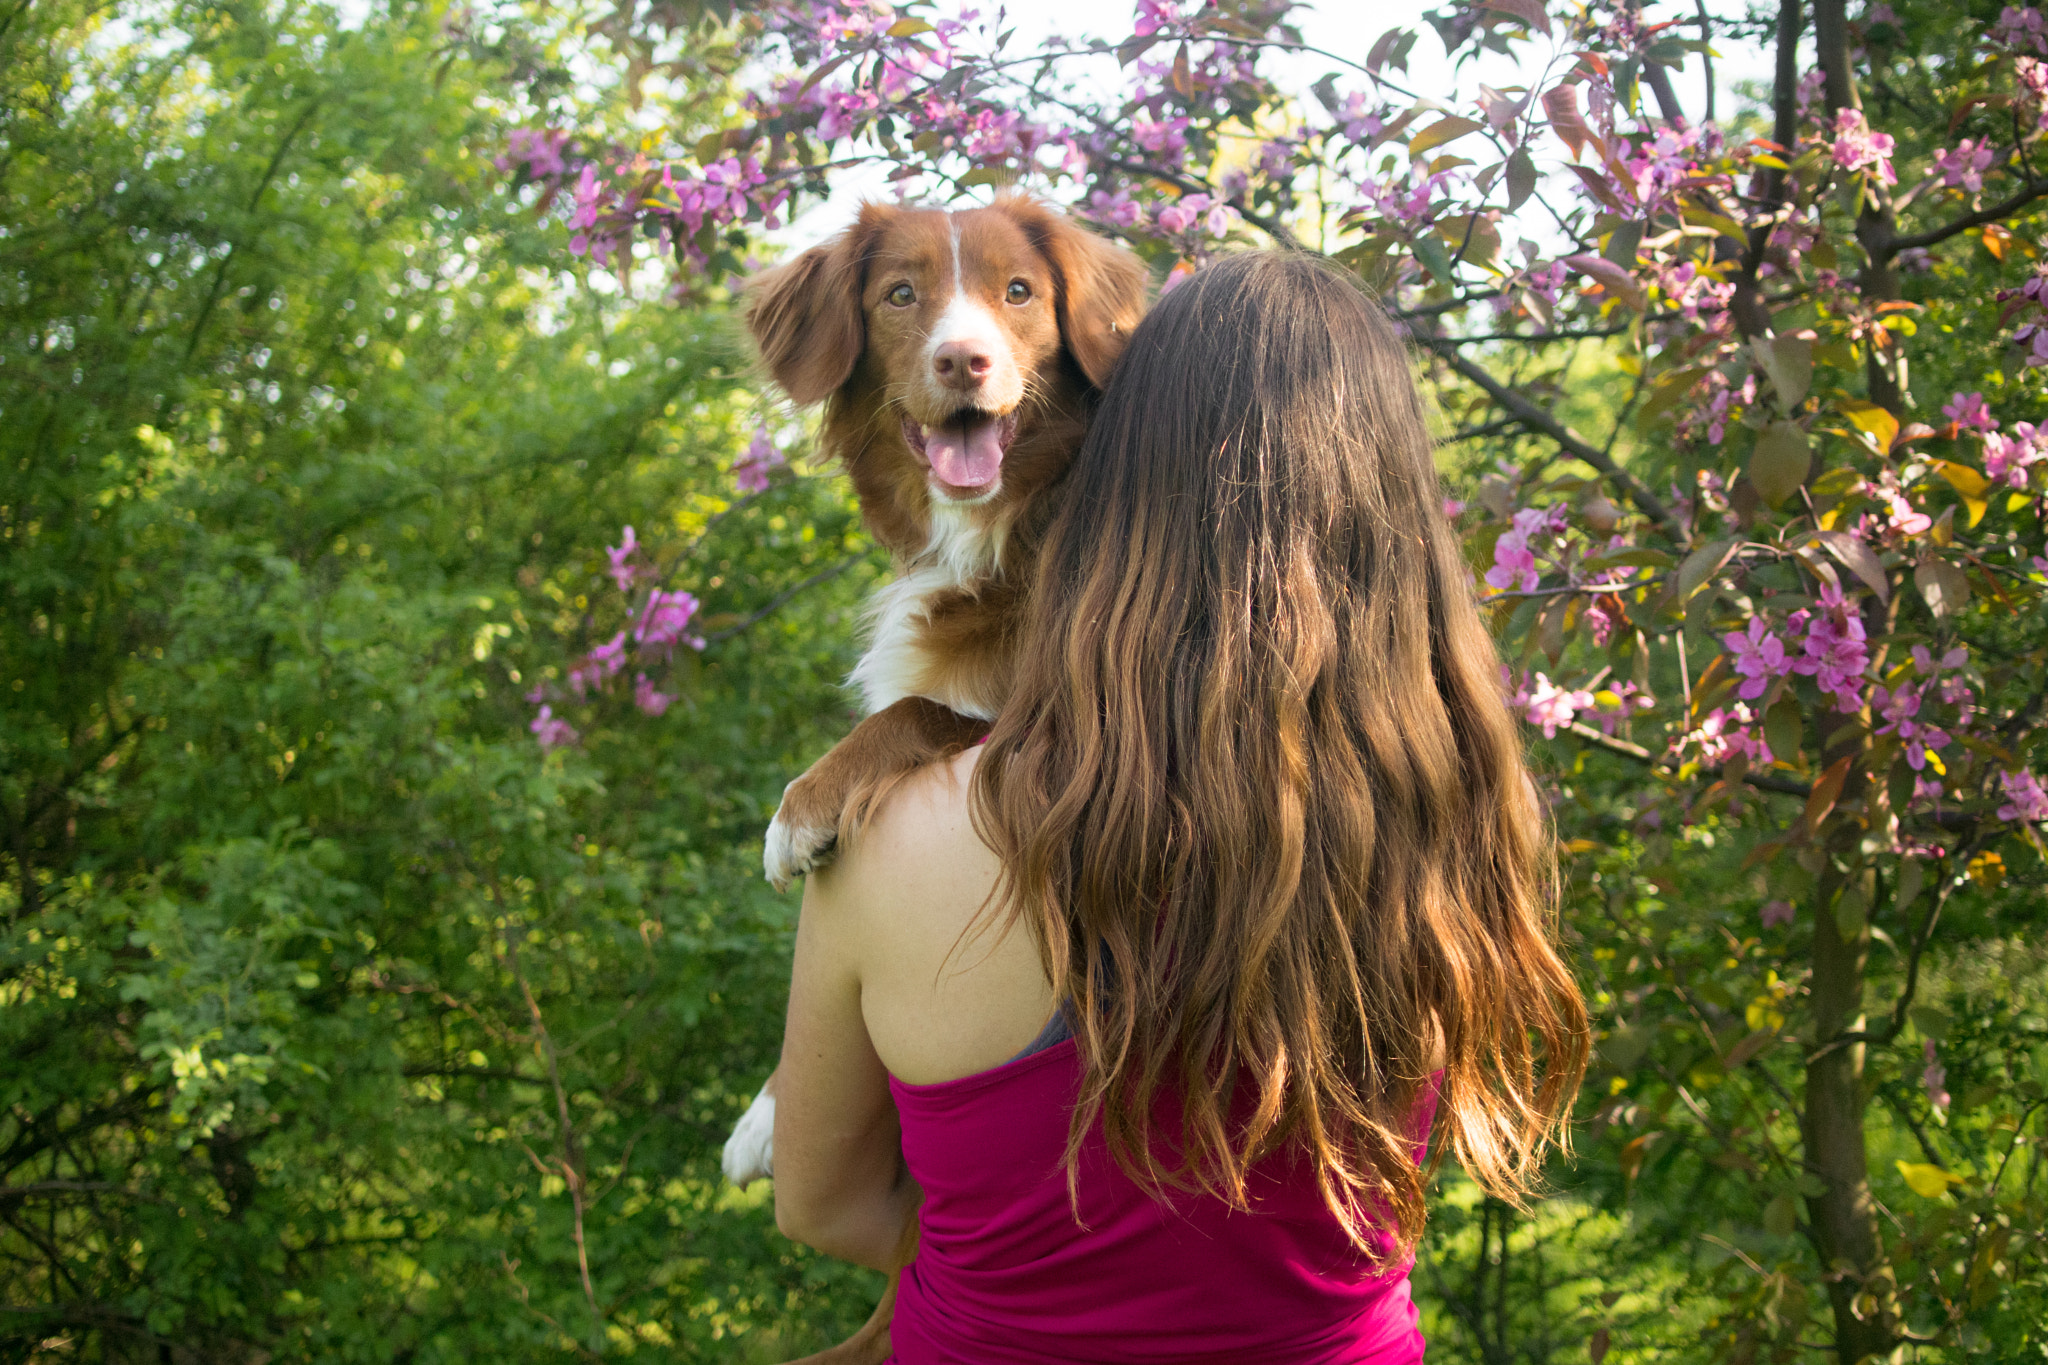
(965, 451)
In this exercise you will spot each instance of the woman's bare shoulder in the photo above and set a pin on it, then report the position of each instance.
(919, 844)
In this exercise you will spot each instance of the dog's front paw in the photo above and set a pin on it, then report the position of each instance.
(795, 844)
(750, 1151)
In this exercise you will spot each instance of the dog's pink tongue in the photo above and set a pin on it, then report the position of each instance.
(965, 455)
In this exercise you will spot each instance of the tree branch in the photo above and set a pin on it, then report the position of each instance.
(2034, 189)
(1537, 419)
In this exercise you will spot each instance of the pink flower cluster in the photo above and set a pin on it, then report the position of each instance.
(1963, 166)
(2019, 27)
(1514, 558)
(2024, 799)
(1901, 518)
(2008, 460)
(1701, 294)
(1832, 648)
(1899, 709)
(2033, 77)
(1658, 168)
(535, 153)
(1547, 706)
(1759, 656)
(660, 624)
(1194, 217)
(1970, 412)
(1728, 732)
(758, 462)
(1859, 147)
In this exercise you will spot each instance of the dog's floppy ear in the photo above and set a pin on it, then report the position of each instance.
(805, 315)
(1101, 285)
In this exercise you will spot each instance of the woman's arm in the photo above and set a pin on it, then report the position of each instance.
(840, 1185)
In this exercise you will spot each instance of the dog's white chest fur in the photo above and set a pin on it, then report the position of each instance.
(961, 555)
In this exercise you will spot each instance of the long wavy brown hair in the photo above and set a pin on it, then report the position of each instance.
(1256, 790)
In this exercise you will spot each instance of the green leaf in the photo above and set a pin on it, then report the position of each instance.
(1788, 362)
(909, 28)
(1444, 130)
(1435, 259)
(1781, 1216)
(1779, 464)
(1702, 564)
(1945, 587)
(1859, 559)
(1784, 729)
(1622, 244)
(1521, 177)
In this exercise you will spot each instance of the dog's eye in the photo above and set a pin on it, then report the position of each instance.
(902, 296)
(1019, 292)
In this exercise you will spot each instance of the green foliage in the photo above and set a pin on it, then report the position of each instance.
(341, 1022)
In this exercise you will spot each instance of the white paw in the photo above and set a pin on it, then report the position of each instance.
(793, 850)
(750, 1151)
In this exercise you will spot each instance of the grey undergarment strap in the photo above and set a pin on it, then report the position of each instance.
(1056, 1031)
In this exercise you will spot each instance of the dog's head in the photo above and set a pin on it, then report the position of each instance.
(964, 343)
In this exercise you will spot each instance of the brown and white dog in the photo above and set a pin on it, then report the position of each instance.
(959, 355)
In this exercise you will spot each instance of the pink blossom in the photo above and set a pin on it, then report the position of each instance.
(1858, 147)
(1360, 118)
(552, 731)
(2024, 798)
(591, 671)
(1514, 560)
(1759, 657)
(1155, 15)
(664, 620)
(1901, 516)
(1114, 210)
(1550, 707)
(647, 698)
(1775, 912)
(538, 152)
(2008, 460)
(1453, 509)
(1833, 651)
(1627, 700)
(2033, 75)
(1970, 412)
(1934, 1078)
(1925, 664)
(1727, 733)
(623, 573)
(1166, 138)
(1600, 621)
(2019, 26)
(1964, 166)
(757, 462)
(1195, 213)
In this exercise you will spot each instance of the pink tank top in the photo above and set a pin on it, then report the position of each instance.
(1003, 1276)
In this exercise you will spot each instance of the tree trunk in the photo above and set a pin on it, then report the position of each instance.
(1843, 1217)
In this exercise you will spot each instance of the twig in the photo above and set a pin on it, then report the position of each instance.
(2033, 190)
(1568, 440)
(777, 602)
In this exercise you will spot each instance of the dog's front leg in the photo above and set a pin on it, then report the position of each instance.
(750, 1151)
(829, 803)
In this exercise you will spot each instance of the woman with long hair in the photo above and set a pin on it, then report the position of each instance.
(1151, 998)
